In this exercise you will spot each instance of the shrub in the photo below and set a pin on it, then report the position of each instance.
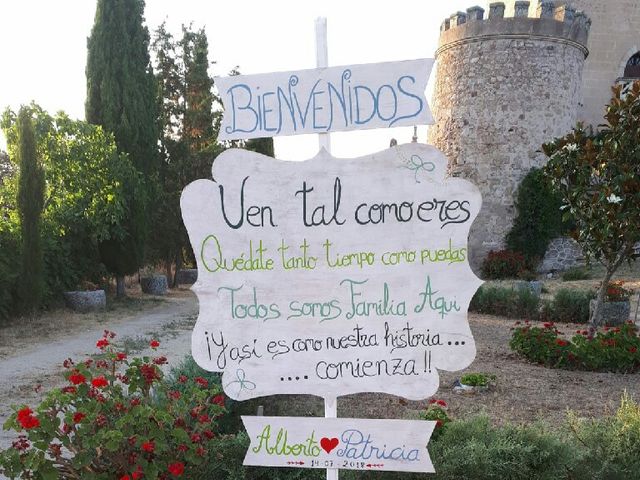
(569, 306)
(437, 411)
(115, 418)
(616, 292)
(507, 302)
(538, 219)
(611, 444)
(576, 273)
(475, 450)
(477, 379)
(228, 424)
(611, 350)
(503, 264)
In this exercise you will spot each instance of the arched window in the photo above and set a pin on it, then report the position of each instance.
(632, 69)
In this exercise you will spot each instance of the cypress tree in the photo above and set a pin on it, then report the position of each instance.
(31, 186)
(198, 130)
(121, 96)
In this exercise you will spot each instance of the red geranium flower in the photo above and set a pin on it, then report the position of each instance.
(24, 413)
(154, 344)
(442, 403)
(102, 343)
(77, 378)
(148, 447)
(78, 416)
(120, 356)
(218, 400)
(176, 469)
(160, 360)
(561, 343)
(26, 419)
(201, 381)
(99, 382)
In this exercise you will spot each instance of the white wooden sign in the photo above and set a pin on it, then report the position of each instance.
(332, 276)
(344, 443)
(377, 95)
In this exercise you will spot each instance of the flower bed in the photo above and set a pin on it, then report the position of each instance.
(611, 350)
(115, 418)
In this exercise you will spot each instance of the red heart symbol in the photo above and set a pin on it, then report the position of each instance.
(328, 444)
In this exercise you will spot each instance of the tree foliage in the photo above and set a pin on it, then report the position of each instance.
(121, 97)
(120, 82)
(598, 178)
(188, 123)
(538, 218)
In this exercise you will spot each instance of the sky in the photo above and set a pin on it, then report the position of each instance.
(43, 53)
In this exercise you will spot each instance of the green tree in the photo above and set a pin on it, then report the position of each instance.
(30, 203)
(598, 177)
(121, 97)
(85, 199)
(198, 125)
(188, 142)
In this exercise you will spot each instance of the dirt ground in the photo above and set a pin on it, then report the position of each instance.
(31, 355)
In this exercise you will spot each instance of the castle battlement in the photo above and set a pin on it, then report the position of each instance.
(549, 23)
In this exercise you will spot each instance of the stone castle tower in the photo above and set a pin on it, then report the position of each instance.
(505, 84)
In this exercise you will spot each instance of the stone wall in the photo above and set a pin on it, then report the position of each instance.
(503, 87)
(562, 254)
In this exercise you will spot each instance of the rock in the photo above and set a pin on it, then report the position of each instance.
(154, 285)
(187, 277)
(85, 301)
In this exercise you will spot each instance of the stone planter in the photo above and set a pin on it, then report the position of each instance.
(612, 313)
(85, 301)
(154, 285)
(535, 286)
(187, 276)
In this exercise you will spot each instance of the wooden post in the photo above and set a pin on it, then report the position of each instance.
(322, 60)
(324, 141)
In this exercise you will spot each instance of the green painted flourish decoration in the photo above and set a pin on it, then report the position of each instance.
(243, 383)
(416, 163)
